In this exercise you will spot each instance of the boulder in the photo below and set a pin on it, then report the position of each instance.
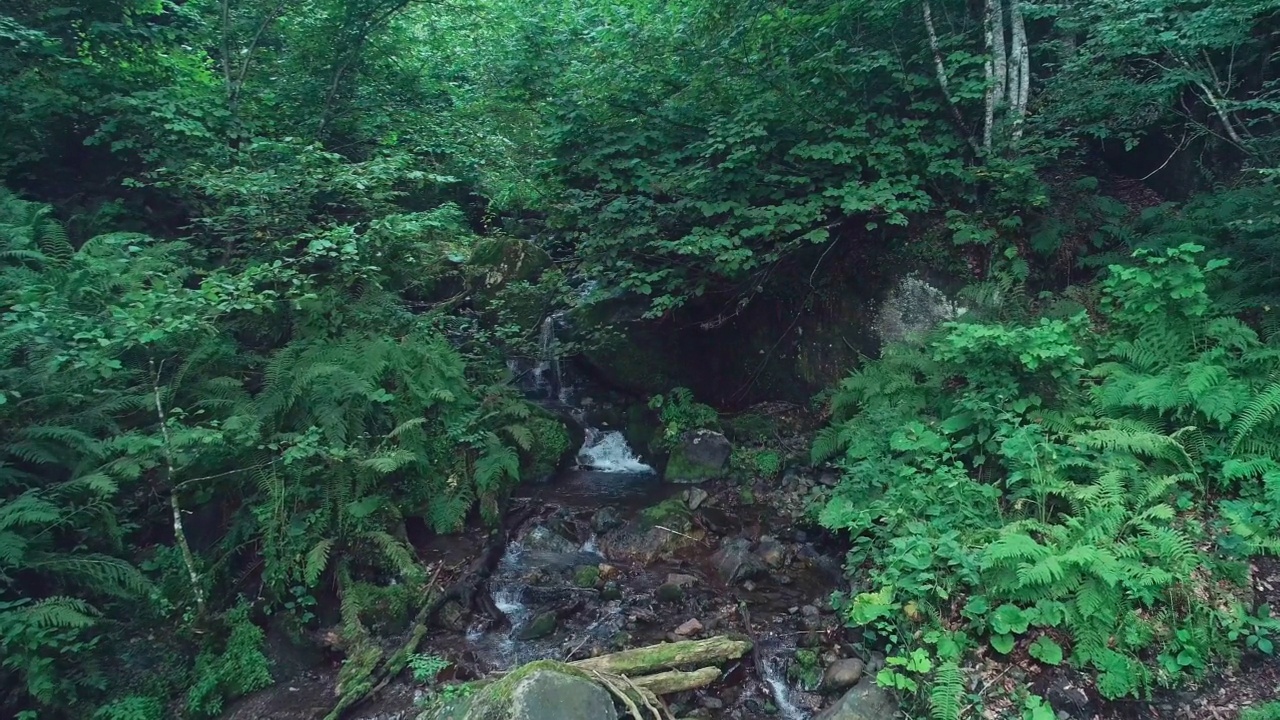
(864, 701)
(641, 541)
(734, 561)
(543, 690)
(771, 552)
(539, 627)
(545, 539)
(842, 675)
(700, 455)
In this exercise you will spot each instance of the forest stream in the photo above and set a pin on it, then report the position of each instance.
(605, 555)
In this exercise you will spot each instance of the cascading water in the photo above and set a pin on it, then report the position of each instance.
(608, 452)
(774, 674)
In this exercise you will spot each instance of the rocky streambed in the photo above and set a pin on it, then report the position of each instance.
(600, 562)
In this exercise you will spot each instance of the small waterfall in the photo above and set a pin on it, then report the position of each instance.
(609, 452)
(774, 673)
(547, 373)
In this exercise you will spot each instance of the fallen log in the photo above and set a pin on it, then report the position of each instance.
(674, 681)
(667, 656)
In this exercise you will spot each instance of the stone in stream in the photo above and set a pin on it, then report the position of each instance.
(695, 497)
(669, 592)
(543, 690)
(734, 561)
(641, 541)
(681, 580)
(539, 627)
(605, 519)
(842, 675)
(700, 455)
(771, 551)
(689, 627)
(864, 701)
(543, 538)
(611, 592)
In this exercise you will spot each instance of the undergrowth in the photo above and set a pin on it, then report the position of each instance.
(1068, 489)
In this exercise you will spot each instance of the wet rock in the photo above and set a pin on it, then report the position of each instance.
(700, 455)
(611, 592)
(669, 593)
(842, 675)
(772, 552)
(689, 627)
(537, 691)
(1066, 693)
(809, 611)
(453, 616)
(711, 703)
(539, 627)
(542, 538)
(639, 541)
(829, 478)
(605, 519)
(735, 562)
(681, 580)
(864, 701)
(696, 497)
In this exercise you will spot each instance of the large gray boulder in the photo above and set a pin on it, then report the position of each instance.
(543, 690)
(700, 455)
(864, 701)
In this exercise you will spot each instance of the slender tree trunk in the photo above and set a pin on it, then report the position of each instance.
(1020, 70)
(997, 67)
(943, 82)
(179, 532)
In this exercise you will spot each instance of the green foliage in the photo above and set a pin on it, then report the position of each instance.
(680, 413)
(239, 668)
(1036, 482)
(425, 668)
(1265, 711)
(805, 669)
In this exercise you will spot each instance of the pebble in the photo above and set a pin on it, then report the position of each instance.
(711, 703)
(749, 586)
(689, 627)
(809, 611)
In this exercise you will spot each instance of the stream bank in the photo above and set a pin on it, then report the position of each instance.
(608, 557)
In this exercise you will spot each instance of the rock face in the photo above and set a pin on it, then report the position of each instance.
(865, 701)
(700, 455)
(543, 690)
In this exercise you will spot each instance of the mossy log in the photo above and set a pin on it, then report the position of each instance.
(667, 656)
(674, 681)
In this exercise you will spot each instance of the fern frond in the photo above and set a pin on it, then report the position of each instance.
(1259, 411)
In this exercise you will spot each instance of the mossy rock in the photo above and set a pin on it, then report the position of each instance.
(542, 690)
(539, 627)
(506, 259)
(587, 576)
(700, 455)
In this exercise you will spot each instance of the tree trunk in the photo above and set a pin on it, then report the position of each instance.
(667, 656)
(674, 681)
(997, 67)
(1020, 69)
